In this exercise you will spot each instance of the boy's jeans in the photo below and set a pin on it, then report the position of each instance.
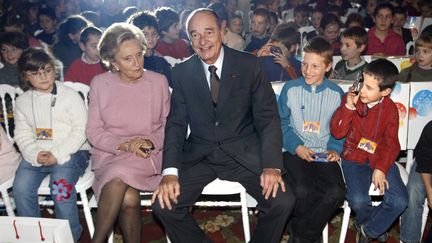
(28, 179)
(411, 219)
(375, 220)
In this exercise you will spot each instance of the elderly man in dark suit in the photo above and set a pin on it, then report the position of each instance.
(235, 135)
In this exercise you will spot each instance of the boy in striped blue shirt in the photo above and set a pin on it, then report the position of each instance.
(306, 106)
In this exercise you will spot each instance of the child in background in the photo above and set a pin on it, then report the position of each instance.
(48, 22)
(147, 23)
(369, 120)
(400, 18)
(353, 43)
(370, 10)
(330, 29)
(421, 70)
(305, 107)
(301, 15)
(50, 120)
(9, 158)
(382, 40)
(67, 48)
(170, 44)
(16, 23)
(317, 15)
(12, 45)
(235, 24)
(88, 65)
(259, 27)
(277, 56)
(274, 21)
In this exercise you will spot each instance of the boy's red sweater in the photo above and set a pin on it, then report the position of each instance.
(366, 122)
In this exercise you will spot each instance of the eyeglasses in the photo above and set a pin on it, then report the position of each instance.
(41, 73)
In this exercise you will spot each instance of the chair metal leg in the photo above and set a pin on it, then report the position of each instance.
(325, 234)
(245, 215)
(345, 222)
(424, 217)
(87, 213)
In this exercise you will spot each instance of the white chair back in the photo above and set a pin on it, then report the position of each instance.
(59, 69)
(172, 61)
(409, 45)
(81, 88)
(12, 92)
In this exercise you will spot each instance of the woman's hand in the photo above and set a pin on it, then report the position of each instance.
(141, 147)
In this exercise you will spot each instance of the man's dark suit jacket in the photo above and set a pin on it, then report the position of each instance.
(245, 123)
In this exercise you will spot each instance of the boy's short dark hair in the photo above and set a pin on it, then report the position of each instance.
(87, 32)
(329, 19)
(263, 13)
(166, 17)
(320, 46)
(384, 71)
(16, 39)
(286, 34)
(71, 25)
(143, 19)
(304, 9)
(49, 12)
(358, 34)
(400, 10)
(381, 6)
(354, 18)
(425, 40)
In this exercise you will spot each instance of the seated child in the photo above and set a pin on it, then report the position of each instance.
(277, 56)
(330, 30)
(317, 15)
(353, 43)
(382, 40)
(48, 22)
(421, 70)
(370, 121)
(260, 24)
(147, 23)
(9, 157)
(419, 187)
(305, 107)
(12, 44)
(301, 15)
(88, 65)
(50, 121)
(170, 44)
(235, 24)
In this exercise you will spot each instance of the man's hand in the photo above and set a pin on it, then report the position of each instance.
(270, 180)
(332, 156)
(46, 158)
(167, 191)
(379, 180)
(305, 153)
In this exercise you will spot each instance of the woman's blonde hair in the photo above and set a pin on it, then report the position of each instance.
(115, 35)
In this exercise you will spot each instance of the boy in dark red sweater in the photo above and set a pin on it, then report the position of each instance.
(369, 120)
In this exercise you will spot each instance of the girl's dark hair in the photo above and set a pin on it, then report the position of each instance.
(72, 25)
(49, 12)
(16, 39)
(33, 59)
(166, 17)
(286, 34)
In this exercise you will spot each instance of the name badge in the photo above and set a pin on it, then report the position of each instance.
(367, 145)
(310, 126)
(44, 133)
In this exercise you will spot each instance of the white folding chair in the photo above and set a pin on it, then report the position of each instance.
(5, 196)
(172, 61)
(409, 45)
(81, 88)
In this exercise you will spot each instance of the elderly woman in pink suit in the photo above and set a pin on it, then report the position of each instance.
(9, 158)
(127, 115)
